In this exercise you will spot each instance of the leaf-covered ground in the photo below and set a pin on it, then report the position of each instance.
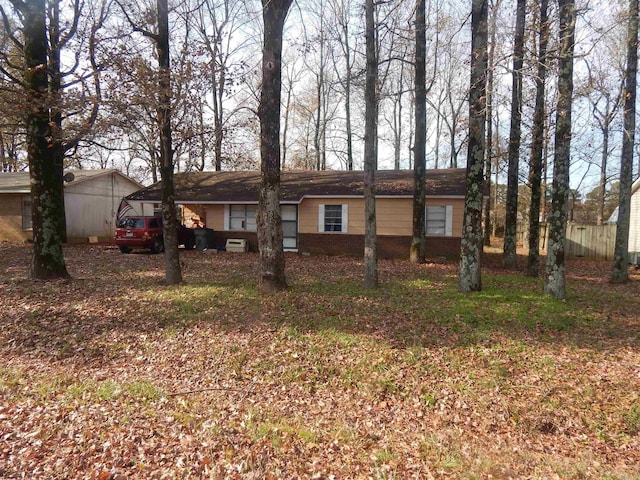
(114, 375)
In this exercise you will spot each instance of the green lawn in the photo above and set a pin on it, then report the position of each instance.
(115, 375)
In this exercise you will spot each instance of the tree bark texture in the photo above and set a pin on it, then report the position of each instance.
(555, 282)
(469, 278)
(620, 266)
(370, 151)
(55, 92)
(173, 272)
(535, 165)
(602, 184)
(46, 191)
(509, 257)
(417, 252)
(489, 129)
(269, 220)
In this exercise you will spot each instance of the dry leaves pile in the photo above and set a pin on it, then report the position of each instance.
(113, 375)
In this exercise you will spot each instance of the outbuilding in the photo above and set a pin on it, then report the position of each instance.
(91, 201)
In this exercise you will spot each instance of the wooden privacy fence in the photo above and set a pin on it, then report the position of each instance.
(588, 241)
(591, 241)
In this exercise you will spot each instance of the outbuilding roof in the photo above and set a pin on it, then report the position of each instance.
(194, 187)
(15, 182)
(20, 182)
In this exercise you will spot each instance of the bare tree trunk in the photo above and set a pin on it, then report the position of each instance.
(555, 283)
(370, 153)
(55, 90)
(469, 278)
(620, 267)
(285, 129)
(218, 120)
(509, 258)
(46, 191)
(57, 42)
(173, 272)
(317, 133)
(341, 13)
(417, 252)
(535, 167)
(489, 149)
(347, 107)
(602, 184)
(272, 260)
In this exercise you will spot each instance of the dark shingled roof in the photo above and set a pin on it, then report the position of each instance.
(193, 187)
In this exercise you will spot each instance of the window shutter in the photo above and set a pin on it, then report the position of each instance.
(448, 225)
(226, 217)
(345, 218)
(321, 217)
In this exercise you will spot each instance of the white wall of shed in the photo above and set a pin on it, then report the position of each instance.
(91, 206)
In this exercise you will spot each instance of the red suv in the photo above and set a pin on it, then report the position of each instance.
(146, 232)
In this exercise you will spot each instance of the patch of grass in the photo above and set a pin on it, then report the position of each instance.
(291, 333)
(442, 451)
(238, 363)
(631, 419)
(384, 455)
(143, 390)
(10, 380)
(108, 390)
(185, 305)
(428, 398)
(276, 429)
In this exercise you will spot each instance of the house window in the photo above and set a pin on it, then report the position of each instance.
(26, 214)
(333, 218)
(438, 219)
(289, 215)
(242, 217)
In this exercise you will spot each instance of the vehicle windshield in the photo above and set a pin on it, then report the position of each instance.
(131, 223)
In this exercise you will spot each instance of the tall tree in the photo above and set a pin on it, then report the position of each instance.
(469, 278)
(46, 191)
(342, 15)
(269, 220)
(605, 99)
(620, 266)
(494, 6)
(509, 258)
(370, 150)
(216, 23)
(173, 271)
(537, 145)
(555, 282)
(65, 139)
(417, 252)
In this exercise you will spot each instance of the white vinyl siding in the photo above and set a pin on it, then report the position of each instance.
(333, 218)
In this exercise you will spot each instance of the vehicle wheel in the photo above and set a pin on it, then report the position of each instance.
(158, 245)
(124, 249)
(189, 244)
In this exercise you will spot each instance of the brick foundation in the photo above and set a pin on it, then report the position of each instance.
(389, 247)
